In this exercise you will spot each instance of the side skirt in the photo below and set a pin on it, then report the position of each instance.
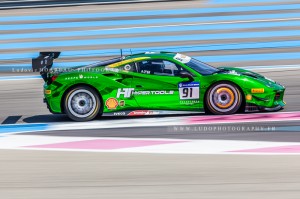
(149, 112)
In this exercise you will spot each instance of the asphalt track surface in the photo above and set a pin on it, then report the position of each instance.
(68, 175)
(125, 175)
(50, 174)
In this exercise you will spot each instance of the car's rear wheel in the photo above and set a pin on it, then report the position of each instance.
(82, 103)
(223, 98)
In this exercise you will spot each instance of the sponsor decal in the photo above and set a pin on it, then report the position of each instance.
(248, 97)
(47, 92)
(145, 71)
(182, 58)
(81, 77)
(189, 90)
(127, 67)
(142, 112)
(153, 92)
(125, 91)
(257, 90)
(189, 102)
(128, 92)
(120, 113)
(122, 103)
(111, 103)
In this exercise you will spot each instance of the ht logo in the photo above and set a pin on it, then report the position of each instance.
(125, 91)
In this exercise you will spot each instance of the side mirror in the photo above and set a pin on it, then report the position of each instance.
(184, 74)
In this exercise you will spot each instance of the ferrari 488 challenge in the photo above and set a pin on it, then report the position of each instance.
(154, 83)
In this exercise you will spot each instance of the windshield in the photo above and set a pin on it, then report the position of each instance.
(200, 67)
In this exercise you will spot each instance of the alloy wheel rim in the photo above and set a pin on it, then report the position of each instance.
(223, 97)
(82, 103)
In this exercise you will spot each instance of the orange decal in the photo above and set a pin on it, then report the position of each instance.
(122, 103)
(111, 103)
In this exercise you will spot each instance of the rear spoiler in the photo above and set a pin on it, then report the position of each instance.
(44, 62)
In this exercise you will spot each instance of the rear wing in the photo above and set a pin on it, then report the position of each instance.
(44, 61)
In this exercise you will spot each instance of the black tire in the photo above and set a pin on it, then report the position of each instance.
(223, 98)
(82, 104)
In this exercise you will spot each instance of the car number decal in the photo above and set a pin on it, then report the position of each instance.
(188, 91)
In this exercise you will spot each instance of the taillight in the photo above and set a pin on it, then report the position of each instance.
(53, 78)
(277, 96)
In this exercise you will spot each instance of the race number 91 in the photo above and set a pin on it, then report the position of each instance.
(189, 90)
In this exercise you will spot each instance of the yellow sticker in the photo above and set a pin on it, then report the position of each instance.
(257, 90)
(126, 62)
(47, 92)
(249, 97)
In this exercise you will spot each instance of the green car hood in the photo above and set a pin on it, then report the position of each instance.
(246, 73)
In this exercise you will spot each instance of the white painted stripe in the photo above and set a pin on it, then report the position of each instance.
(184, 147)
(152, 122)
(145, 122)
(125, 123)
(197, 24)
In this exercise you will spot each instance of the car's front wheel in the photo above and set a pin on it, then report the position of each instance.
(82, 103)
(223, 98)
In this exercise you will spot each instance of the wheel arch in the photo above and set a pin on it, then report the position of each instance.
(78, 85)
(243, 105)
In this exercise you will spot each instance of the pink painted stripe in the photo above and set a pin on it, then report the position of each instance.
(104, 144)
(240, 118)
(280, 149)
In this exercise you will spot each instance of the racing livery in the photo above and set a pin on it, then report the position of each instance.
(154, 83)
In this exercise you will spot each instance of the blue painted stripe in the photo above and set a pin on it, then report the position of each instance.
(150, 30)
(152, 12)
(149, 39)
(16, 128)
(116, 52)
(250, 57)
(270, 67)
(230, 46)
(208, 59)
(147, 21)
(19, 77)
(289, 128)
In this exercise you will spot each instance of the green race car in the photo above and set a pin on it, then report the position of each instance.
(153, 83)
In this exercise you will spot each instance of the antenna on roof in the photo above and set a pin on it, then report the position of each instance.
(121, 52)
(130, 51)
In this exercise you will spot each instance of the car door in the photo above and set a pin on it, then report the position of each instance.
(158, 86)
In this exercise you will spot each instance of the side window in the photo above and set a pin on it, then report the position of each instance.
(145, 67)
(159, 67)
(129, 67)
